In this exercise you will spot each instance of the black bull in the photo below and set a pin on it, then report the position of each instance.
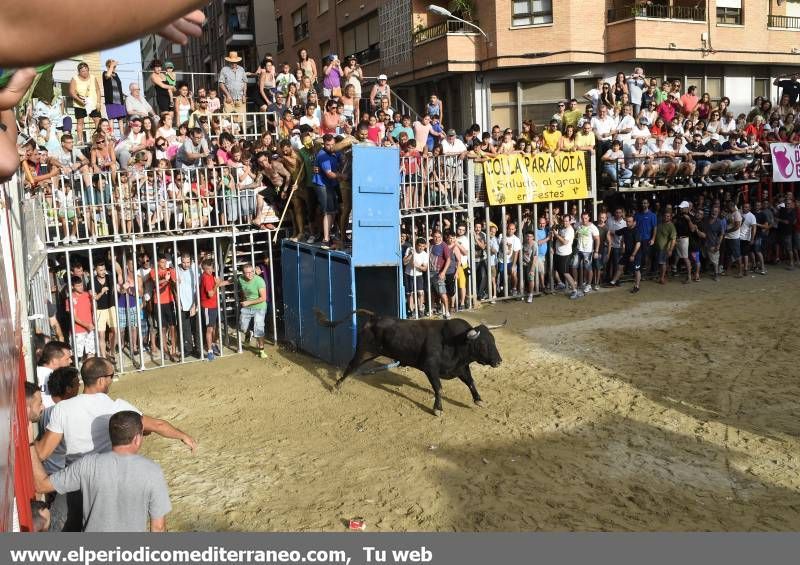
(442, 349)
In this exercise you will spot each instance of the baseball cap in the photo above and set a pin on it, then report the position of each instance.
(684, 204)
(382, 77)
(169, 65)
(451, 132)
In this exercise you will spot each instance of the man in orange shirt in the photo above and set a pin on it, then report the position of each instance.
(689, 101)
(165, 279)
(80, 304)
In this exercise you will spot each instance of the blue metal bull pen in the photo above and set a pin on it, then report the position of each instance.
(337, 282)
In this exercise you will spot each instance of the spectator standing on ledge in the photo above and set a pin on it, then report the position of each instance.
(85, 92)
(112, 93)
(233, 84)
(121, 490)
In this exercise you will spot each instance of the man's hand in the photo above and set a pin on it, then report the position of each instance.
(192, 311)
(181, 29)
(190, 442)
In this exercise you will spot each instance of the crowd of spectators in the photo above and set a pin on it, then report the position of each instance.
(710, 234)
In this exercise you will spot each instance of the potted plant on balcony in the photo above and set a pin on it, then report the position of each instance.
(462, 8)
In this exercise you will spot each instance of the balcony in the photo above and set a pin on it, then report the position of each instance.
(447, 27)
(783, 22)
(691, 13)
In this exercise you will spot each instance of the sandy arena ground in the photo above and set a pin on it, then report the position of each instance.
(676, 409)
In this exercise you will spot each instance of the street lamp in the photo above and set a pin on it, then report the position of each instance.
(445, 13)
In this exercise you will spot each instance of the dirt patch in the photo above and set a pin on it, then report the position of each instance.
(674, 409)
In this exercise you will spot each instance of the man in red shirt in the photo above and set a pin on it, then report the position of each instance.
(689, 101)
(165, 279)
(210, 305)
(80, 304)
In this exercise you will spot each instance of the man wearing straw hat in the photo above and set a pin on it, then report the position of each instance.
(233, 84)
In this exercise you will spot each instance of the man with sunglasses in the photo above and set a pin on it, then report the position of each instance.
(202, 111)
(82, 424)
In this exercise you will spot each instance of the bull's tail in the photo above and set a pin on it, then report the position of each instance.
(325, 322)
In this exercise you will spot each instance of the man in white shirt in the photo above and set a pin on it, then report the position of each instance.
(593, 95)
(639, 159)
(588, 237)
(747, 234)
(604, 127)
(137, 105)
(511, 245)
(733, 237)
(451, 145)
(563, 236)
(55, 354)
(625, 124)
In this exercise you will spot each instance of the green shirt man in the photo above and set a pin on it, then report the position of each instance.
(251, 291)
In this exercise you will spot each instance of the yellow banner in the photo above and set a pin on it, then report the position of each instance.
(519, 179)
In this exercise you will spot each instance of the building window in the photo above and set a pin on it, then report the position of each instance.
(300, 23)
(714, 89)
(324, 49)
(279, 39)
(362, 39)
(540, 100)
(761, 87)
(323, 7)
(504, 106)
(731, 16)
(529, 12)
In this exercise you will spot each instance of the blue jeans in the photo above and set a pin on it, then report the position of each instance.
(611, 170)
(257, 316)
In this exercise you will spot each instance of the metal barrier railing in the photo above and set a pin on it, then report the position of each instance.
(146, 326)
(432, 182)
(85, 207)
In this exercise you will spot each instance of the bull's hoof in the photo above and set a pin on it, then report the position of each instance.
(480, 403)
(437, 412)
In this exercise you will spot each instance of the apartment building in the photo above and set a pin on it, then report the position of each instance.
(244, 26)
(537, 52)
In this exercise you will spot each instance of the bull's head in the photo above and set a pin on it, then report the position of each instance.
(482, 347)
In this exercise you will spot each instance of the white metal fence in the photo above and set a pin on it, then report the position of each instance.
(86, 207)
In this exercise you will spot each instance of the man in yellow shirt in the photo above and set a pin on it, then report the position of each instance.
(551, 138)
(584, 139)
(572, 115)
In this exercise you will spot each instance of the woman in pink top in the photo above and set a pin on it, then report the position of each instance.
(226, 143)
(422, 129)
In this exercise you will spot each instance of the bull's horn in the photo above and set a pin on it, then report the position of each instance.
(495, 326)
(473, 334)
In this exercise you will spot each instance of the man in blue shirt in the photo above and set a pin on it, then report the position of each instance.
(327, 174)
(542, 239)
(646, 222)
(437, 132)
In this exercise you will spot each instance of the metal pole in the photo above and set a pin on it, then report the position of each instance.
(117, 331)
(199, 298)
(157, 301)
(272, 292)
(551, 249)
(178, 298)
(234, 273)
(502, 253)
(139, 308)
